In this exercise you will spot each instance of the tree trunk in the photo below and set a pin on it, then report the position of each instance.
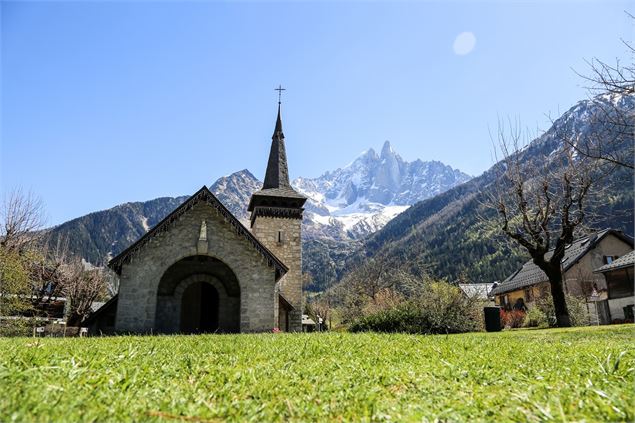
(559, 301)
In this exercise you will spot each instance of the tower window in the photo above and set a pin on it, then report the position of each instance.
(280, 237)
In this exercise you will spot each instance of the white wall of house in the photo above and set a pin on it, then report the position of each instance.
(617, 305)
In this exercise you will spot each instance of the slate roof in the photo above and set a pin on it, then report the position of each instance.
(277, 175)
(627, 260)
(530, 274)
(202, 195)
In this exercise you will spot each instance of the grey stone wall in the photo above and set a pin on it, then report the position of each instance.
(137, 303)
(289, 250)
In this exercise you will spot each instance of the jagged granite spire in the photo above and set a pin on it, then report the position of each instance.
(277, 175)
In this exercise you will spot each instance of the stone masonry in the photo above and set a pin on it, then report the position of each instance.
(282, 236)
(140, 278)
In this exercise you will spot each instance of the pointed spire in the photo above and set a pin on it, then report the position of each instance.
(277, 132)
(277, 175)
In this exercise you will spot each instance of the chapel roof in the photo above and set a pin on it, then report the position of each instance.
(530, 274)
(203, 195)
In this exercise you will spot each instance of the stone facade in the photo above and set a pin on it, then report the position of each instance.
(201, 270)
(140, 306)
(283, 237)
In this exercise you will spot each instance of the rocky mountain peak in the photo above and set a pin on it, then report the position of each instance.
(234, 191)
(386, 150)
(365, 194)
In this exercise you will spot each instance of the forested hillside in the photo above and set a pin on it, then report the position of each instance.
(454, 234)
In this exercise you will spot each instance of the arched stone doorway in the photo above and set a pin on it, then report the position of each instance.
(198, 294)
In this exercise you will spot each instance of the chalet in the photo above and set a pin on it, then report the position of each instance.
(581, 259)
(620, 296)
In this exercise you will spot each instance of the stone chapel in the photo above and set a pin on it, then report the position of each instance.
(200, 270)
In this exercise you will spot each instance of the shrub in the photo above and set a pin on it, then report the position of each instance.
(577, 310)
(512, 319)
(440, 308)
(535, 318)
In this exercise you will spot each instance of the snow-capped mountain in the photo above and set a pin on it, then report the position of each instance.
(360, 198)
(344, 205)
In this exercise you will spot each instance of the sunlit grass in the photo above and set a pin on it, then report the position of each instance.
(576, 374)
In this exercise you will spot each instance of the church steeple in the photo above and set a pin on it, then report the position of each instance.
(277, 196)
(277, 174)
(276, 221)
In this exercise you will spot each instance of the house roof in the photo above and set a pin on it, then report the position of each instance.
(627, 260)
(306, 320)
(203, 195)
(530, 274)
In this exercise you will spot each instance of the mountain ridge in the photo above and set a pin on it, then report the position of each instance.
(101, 235)
(450, 233)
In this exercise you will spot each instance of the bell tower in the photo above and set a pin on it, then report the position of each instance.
(276, 220)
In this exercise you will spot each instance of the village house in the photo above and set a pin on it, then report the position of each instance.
(201, 270)
(619, 288)
(582, 258)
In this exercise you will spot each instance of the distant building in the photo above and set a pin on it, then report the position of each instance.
(581, 259)
(620, 293)
(482, 291)
(308, 324)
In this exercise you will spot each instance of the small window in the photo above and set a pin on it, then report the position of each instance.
(280, 237)
(609, 259)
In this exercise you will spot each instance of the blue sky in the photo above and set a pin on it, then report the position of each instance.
(107, 102)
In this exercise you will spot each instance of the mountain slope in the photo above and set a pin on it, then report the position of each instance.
(384, 186)
(452, 232)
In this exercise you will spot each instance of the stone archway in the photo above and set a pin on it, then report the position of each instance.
(198, 294)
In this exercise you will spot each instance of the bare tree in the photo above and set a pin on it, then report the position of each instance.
(81, 287)
(541, 203)
(46, 269)
(320, 308)
(614, 124)
(21, 219)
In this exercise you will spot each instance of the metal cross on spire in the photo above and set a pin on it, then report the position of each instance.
(280, 90)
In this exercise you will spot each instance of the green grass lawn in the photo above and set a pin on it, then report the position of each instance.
(575, 374)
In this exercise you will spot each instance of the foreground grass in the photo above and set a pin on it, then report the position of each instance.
(576, 374)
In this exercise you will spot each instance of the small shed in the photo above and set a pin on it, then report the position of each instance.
(308, 324)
